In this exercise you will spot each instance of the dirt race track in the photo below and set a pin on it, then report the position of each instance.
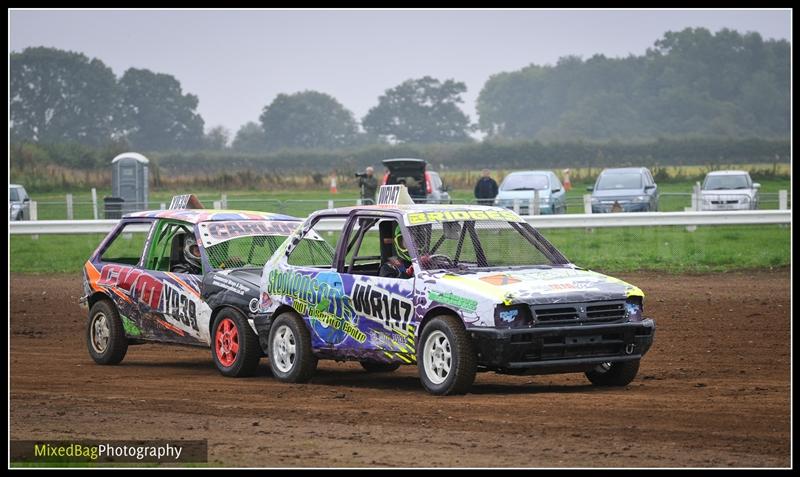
(713, 391)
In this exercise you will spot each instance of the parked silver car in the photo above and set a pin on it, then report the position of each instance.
(625, 189)
(522, 185)
(18, 203)
(729, 190)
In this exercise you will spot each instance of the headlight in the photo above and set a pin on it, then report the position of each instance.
(634, 308)
(745, 199)
(514, 316)
(595, 200)
(640, 198)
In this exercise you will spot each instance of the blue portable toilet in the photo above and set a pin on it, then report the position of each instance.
(129, 177)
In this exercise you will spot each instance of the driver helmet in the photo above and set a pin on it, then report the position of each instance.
(191, 251)
(400, 245)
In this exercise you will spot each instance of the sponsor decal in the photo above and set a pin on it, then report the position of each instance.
(142, 286)
(322, 299)
(417, 218)
(394, 340)
(180, 306)
(563, 286)
(500, 280)
(509, 315)
(449, 298)
(265, 302)
(130, 327)
(253, 305)
(230, 285)
(381, 305)
(218, 231)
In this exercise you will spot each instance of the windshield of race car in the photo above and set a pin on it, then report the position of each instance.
(482, 244)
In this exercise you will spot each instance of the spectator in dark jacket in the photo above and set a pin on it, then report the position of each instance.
(485, 189)
(369, 186)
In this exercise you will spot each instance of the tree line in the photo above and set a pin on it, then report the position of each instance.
(691, 83)
(474, 156)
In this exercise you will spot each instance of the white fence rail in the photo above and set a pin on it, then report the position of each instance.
(640, 219)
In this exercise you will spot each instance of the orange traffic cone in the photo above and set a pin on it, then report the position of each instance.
(333, 184)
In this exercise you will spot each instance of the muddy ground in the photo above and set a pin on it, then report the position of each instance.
(713, 391)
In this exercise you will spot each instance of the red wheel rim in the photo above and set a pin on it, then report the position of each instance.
(227, 342)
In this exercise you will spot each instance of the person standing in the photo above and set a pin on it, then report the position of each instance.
(567, 183)
(485, 189)
(369, 186)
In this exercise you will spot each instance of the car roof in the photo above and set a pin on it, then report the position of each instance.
(403, 159)
(543, 172)
(195, 216)
(405, 209)
(727, 173)
(620, 170)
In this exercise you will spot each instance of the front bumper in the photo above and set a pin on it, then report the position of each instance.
(718, 207)
(625, 206)
(545, 208)
(561, 349)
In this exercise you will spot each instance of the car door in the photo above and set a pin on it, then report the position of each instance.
(306, 279)
(181, 316)
(559, 197)
(653, 191)
(115, 270)
(329, 277)
(384, 305)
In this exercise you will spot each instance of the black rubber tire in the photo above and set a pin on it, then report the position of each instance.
(246, 361)
(373, 367)
(620, 374)
(305, 362)
(464, 359)
(117, 341)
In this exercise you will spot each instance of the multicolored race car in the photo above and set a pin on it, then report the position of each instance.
(185, 276)
(452, 289)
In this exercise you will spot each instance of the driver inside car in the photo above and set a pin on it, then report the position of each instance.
(398, 266)
(191, 257)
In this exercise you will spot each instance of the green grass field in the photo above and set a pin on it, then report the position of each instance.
(655, 248)
(670, 249)
(52, 206)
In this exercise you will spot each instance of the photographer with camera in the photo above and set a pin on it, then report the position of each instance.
(368, 185)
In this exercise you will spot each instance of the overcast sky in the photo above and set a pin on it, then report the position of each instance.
(236, 62)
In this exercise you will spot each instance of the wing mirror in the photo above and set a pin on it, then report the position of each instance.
(590, 188)
(756, 185)
(649, 186)
(555, 190)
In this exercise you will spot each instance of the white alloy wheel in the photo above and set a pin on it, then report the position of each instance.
(438, 357)
(283, 351)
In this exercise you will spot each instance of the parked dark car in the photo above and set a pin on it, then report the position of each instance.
(423, 186)
(628, 189)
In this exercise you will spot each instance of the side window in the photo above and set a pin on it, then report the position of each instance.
(127, 246)
(369, 245)
(317, 247)
(167, 241)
